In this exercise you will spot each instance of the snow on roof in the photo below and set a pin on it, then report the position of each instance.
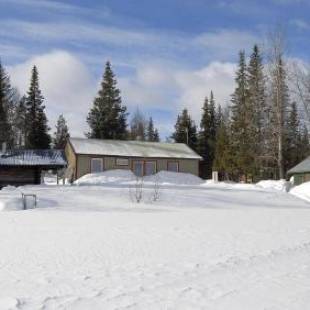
(132, 148)
(302, 167)
(33, 158)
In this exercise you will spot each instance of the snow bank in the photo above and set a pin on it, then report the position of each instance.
(175, 178)
(302, 191)
(279, 185)
(110, 176)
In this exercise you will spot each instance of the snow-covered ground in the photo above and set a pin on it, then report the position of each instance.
(199, 246)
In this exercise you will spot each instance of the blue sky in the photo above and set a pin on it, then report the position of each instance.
(167, 54)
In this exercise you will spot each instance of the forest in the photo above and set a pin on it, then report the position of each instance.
(261, 134)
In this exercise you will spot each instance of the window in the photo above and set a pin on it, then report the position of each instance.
(96, 165)
(141, 167)
(138, 168)
(149, 167)
(122, 162)
(173, 166)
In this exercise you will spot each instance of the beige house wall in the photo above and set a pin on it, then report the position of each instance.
(109, 162)
(71, 159)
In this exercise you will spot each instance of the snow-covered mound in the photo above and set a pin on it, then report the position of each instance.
(302, 191)
(279, 185)
(175, 178)
(110, 176)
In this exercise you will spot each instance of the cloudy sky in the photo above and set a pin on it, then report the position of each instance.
(167, 54)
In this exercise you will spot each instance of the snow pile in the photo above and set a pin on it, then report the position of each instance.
(174, 178)
(302, 191)
(278, 185)
(118, 176)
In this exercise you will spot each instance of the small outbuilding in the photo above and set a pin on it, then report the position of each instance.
(21, 167)
(143, 158)
(300, 172)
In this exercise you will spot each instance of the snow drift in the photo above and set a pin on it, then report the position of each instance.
(174, 178)
(302, 191)
(279, 185)
(118, 176)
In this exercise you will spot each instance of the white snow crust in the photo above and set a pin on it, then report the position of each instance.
(199, 246)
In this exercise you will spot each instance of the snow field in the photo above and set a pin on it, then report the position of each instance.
(214, 246)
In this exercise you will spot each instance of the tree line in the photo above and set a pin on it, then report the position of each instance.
(24, 124)
(260, 134)
(23, 121)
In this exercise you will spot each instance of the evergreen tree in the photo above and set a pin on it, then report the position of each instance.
(138, 126)
(304, 144)
(207, 135)
(20, 123)
(37, 136)
(256, 108)
(243, 159)
(185, 130)
(108, 118)
(6, 101)
(292, 138)
(62, 133)
(151, 132)
(223, 154)
(156, 135)
(279, 107)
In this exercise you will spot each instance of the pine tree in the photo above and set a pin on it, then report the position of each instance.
(37, 136)
(185, 130)
(207, 135)
(108, 118)
(243, 159)
(138, 126)
(62, 133)
(6, 101)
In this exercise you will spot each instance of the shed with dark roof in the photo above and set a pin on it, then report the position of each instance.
(21, 167)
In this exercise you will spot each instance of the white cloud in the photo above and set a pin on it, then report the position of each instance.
(300, 23)
(69, 88)
(196, 85)
(171, 89)
(66, 84)
(226, 42)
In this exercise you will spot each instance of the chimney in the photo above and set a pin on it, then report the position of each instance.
(3, 147)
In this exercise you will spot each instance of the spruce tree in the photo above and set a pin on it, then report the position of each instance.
(279, 107)
(37, 136)
(61, 134)
(223, 155)
(107, 118)
(292, 138)
(207, 135)
(243, 158)
(6, 101)
(256, 108)
(20, 123)
(185, 130)
(151, 132)
(156, 135)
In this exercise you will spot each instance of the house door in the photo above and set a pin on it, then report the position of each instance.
(137, 167)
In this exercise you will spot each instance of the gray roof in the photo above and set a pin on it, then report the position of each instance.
(302, 167)
(50, 158)
(132, 148)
